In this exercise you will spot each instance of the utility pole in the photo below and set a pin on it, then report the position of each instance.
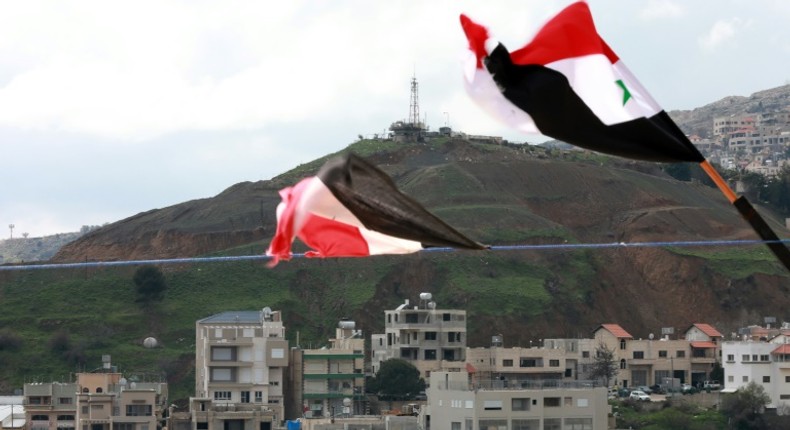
(11, 227)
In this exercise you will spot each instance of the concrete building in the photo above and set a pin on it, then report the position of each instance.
(431, 339)
(657, 360)
(766, 363)
(240, 362)
(333, 378)
(454, 404)
(565, 359)
(102, 400)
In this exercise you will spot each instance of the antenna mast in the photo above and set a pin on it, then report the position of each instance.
(414, 106)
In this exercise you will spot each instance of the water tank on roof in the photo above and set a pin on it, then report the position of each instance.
(346, 324)
(426, 296)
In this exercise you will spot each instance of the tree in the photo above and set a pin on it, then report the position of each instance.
(150, 282)
(604, 364)
(397, 379)
(744, 407)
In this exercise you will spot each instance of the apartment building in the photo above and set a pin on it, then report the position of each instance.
(103, 400)
(566, 359)
(241, 359)
(766, 363)
(332, 379)
(455, 403)
(656, 360)
(431, 339)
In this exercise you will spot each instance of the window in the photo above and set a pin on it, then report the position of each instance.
(138, 410)
(745, 357)
(568, 401)
(552, 424)
(551, 402)
(122, 426)
(578, 423)
(730, 378)
(582, 403)
(568, 373)
(65, 417)
(455, 425)
(766, 379)
(201, 426)
(222, 395)
(454, 336)
(65, 400)
(745, 379)
(446, 317)
(223, 353)
(430, 354)
(787, 378)
(754, 357)
(525, 424)
(730, 358)
(85, 410)
(258, 396)
(622, 363)
(554, 363)
(40, 418)
(245, 396)
(662, 354)
(622, 343)
(492, 424)
(507, 363)
(492, 405)
(585, 354)
(222, 374)
(681, 354)
(639, 355)
(530, 362)
(410, 318)
(764, 358)
(430, 335)
(519, 403)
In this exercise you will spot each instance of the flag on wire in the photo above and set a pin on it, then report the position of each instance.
(568, 84)
(353, 209)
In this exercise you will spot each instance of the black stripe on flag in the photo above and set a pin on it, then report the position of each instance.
(558, 112)
(375, 200)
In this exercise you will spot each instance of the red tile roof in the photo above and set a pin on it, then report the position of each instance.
(703, 344)
(617, 331)
(708, 330)
(782, 349)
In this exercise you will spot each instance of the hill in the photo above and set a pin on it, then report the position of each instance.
(53, 322)
(22, 249)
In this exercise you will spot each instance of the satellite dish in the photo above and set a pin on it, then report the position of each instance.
(267, 313)
(150, 342)
(346, 402)
(651, 336)
(431, 305)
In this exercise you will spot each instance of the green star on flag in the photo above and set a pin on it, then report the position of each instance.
(626, 93)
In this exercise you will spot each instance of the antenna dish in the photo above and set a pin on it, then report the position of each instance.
(431, 305)
(651, 336)
(150, 342)
(267, 313)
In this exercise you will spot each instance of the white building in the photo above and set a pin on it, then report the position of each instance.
(766, 363)
(240, 362)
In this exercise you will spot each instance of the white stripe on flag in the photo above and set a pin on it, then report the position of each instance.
(594, 80)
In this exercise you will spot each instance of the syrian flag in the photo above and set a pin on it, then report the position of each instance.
(353, 209)
(568, 84)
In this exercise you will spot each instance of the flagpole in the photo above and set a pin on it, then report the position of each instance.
(748, 212)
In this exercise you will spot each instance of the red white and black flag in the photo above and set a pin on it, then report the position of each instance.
(353, 209)
(568, 84)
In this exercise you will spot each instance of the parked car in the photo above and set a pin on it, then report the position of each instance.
(688, 389)
(657, 389)
(639, 395)
(711, 385)
(645, 388)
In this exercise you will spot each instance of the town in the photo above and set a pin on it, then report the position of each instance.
(248, 376)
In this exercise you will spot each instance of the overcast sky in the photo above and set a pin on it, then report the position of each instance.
(111, 108)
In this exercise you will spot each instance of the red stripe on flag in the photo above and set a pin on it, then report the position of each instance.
(571, 33)
(331, 238)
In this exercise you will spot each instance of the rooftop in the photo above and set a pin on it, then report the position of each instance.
(616, 330)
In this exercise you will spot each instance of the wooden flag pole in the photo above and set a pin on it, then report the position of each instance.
(748, 212)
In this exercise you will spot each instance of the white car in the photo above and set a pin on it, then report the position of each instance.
(639, 395)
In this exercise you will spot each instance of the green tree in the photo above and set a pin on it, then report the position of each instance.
(744, 407)
(150, 283)
(604, 365)
(397, 379)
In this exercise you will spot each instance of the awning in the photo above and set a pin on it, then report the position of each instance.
(703, 344)
(470, 368)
